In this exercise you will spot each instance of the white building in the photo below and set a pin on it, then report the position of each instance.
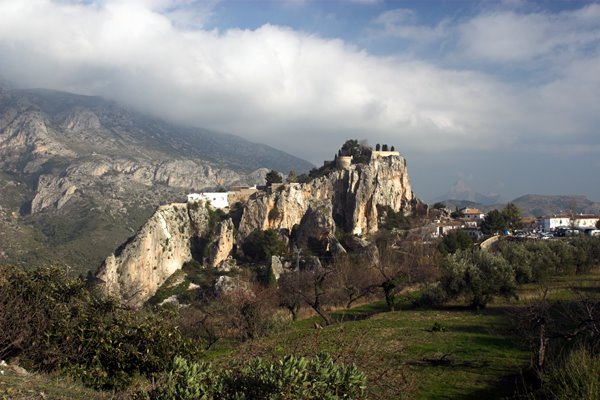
(584, 222)
(556, 221)
(474, 233)
(581, 222)
(472, 214)
(381, 154)
(215, 199)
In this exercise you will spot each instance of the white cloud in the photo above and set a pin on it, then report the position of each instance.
(293, 89)
(509, 37)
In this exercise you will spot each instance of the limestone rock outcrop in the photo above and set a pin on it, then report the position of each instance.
(350, 197)
(316, 223)
(221, 248)
(141, 265)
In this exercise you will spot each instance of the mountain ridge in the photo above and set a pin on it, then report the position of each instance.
(536, 205)
(80, 173)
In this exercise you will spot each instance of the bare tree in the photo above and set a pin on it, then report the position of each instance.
(314, 286)
(289, 297)
(358, 279)
(547, 324)
(403, 262)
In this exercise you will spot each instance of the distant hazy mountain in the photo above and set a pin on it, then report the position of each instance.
(79, 174)
(461, 191)
(537, 205)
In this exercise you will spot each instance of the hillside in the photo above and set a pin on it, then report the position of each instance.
(536, 205)
(80, 174)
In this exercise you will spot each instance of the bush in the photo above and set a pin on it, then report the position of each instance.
(478, 276)
(53, 322)
(455, 240)
(289, 378)
(273, 214)
(433, 296)
(261, 245)
(391, 219)
(521, 261)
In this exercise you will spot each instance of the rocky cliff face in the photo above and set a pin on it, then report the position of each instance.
(344, 199)
(350, 197)
(137, 269)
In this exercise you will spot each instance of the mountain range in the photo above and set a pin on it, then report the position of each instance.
(80, 174)
(461, 191)
(536, 205)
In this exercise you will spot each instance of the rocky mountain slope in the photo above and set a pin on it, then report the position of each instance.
(349, 200)
(80, 174)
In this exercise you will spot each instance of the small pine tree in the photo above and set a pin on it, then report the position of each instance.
(377, 147)
(291, 178)
(273, 177)
(384, 147)
(392, 149)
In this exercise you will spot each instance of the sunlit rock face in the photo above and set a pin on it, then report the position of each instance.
(350, 197)
(140, 266)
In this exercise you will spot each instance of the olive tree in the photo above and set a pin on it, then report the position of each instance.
(477, 276)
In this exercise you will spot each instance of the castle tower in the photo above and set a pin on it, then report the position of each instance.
(344, 162)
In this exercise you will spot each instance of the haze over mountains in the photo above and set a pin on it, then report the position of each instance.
(79, 174)
(461, 191)
(536, 205)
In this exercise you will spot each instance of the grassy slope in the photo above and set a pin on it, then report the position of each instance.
(44, 387)
(397, 350)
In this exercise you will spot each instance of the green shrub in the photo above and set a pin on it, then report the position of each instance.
(433, 296)
(454, 241)
(391, 219)
(289, 378)
(438, 327)
(273, 214)
(54, 322)
(521, 261)
(261, 245)
(477, 276)
(188, 381)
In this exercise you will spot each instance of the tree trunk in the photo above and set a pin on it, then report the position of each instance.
(324, 314)
(294, 311)
(390, 298)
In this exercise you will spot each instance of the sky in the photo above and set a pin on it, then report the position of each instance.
(502, 96)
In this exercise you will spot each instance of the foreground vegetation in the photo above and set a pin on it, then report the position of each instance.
(522, 322)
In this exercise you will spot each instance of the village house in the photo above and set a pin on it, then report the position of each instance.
(577, 221)
(442, 229)
(223, 200)
(215, 199)
(471, 213)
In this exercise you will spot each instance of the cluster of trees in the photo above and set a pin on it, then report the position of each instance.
(455, 240)
(384, 147)
(360, 152)
(381, 269)
(497, 221)
(477, 276)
